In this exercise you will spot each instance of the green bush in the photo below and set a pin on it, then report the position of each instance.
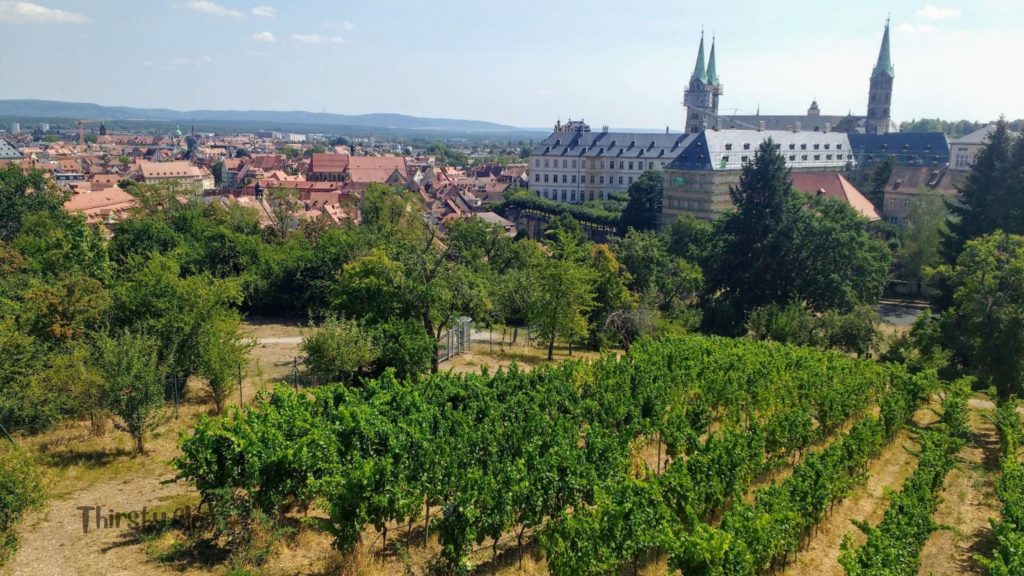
(20, 491)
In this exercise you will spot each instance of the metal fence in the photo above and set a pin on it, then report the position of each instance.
(456, 340)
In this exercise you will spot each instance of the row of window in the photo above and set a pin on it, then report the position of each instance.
(567, 164)
(892, 202)
(746, 146)
(685, 204)
(570, 195)
(571, 179)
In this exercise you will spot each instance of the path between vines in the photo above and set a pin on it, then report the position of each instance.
(868, 503)
(968, 501)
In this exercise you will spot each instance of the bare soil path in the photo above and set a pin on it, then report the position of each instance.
(968, 501)
(868, 503)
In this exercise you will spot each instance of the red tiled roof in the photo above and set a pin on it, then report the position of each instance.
(366, 169)
(97, 205)
(835, 186)
(328, 163)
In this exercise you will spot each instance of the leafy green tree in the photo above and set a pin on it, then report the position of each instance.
(339, 350)
(988, 309)
(134, 382)
(610, 292)
(780, 245)
(921, 235)
(156, 300)
(644, 207)
(643, 255)
(564, 294)
(21, 490)
(23, 193)
(880, 175)
(691, 238)
(405, 347)
(565, 237)
(984, 201)
(223, 352)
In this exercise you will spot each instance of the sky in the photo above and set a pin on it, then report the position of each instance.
(528, 63)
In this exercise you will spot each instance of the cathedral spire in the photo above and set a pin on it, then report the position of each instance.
(884, 65)
(712, 73)
(699, 71)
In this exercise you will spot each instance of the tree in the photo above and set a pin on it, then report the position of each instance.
(780, 245)
(404, 346)
(21, 489)
(564, 294)
(222, 356)
(691, 238)
(879, 178)
(610, 292)
(644, 207)
(134, 382)
(983, 201)
(285, 206)
(23, 193)
(988, 309)
(339, 350)
(921, 235)
(643, 255)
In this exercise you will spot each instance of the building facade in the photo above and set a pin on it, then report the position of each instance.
(578, 165)
(698, 180)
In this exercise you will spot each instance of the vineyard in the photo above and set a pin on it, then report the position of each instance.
(550, 457)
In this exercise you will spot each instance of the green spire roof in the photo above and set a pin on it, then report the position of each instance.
(699, 72)
(884, 65)
(712, 71)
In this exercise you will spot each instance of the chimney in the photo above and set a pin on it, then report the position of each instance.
(666, 129)
(828, 127)
(796, 127)
(718, 124)
(760, 126)
(604, 128)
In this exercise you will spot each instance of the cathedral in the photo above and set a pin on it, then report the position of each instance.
(701, 99)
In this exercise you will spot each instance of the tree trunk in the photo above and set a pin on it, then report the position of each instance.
(551, 349)
(426, 531)
(428, 325)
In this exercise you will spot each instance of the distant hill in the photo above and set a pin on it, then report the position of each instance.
(78, 110)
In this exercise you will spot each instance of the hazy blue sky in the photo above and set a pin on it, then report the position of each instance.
(528, 62)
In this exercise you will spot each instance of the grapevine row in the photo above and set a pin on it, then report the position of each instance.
(893, 547)
(632, 517)
(1007, 558)
(505, 452)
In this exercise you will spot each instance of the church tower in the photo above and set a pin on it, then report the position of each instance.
(700, 98)
(880, 94)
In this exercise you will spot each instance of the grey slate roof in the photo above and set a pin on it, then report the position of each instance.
(708, 149)
(8, 152)
(613, 145)
(787, 122)
(905, 148)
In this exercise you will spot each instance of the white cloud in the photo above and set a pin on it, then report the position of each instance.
(29, 12)
(318, 39)
(264, 37)
(343, 25)
(936, 13)
(212, 9)
(264, 11)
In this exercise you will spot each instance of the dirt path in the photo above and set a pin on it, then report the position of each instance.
(968, 501)
(867, 503)
(53, 542)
